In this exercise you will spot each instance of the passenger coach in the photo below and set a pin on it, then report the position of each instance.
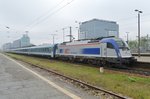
(43, 50)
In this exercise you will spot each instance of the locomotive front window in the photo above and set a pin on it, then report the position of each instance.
(122, 45)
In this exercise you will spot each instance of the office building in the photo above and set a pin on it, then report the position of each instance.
(96, 28)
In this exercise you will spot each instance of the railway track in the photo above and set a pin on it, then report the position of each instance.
(141, 72)
(141, 68)
(132, 71)
(81, 83)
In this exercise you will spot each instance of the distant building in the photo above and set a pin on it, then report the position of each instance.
(25, 40)
(7, 46)
(98, 28)
(16, 44)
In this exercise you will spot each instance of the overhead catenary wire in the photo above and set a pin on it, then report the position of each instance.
(133, 24)
(132, 17)
(42, 19)
(126, 25)
(50, 10)
(54, 12)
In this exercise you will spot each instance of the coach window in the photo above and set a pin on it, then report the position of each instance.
(50, 50)
(47, 50)
(109, 45)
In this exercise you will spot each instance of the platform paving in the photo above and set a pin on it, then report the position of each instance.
(143, 59)
(18, 83)
(19, 80)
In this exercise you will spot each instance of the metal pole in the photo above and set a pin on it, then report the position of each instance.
(85, 35)
(63, 34)
(139, 35)
(78, 28)
(26, 32)
(53, 38)
(70, 34)
(139, 31)
(8, 33)
(147, 42)
(127, 37)
(78, 32)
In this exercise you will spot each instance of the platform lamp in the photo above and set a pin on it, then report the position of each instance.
(138, 11)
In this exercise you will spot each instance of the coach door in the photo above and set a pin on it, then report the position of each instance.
(54, 51)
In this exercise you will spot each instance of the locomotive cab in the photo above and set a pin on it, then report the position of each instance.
(117, 50)
(123, 48)
(126, 56)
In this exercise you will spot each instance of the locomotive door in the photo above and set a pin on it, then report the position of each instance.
(104, 50)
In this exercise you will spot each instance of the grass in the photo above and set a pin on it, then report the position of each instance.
(129, 85)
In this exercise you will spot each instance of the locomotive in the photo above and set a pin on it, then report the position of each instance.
(97, 51)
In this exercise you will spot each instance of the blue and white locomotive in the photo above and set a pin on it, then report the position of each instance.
(110, 50)
(98, 51)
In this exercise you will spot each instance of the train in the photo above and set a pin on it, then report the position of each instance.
(96, 51)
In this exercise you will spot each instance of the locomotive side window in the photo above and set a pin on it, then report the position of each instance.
(109, 45)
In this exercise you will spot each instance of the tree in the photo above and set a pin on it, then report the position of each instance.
(133, 44)
(143, 44)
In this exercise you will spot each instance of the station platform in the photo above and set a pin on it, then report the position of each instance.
(145, 59)
(20, 81)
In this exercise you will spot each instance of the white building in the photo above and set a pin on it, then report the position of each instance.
(96, 28)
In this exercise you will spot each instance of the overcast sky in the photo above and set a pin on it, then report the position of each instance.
(45, 17)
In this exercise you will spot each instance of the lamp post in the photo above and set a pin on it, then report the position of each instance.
(8, 32)
(138, 11)
(78, 28)
(26, 32)
(70, 33)
(63, 34)
(53, 38)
